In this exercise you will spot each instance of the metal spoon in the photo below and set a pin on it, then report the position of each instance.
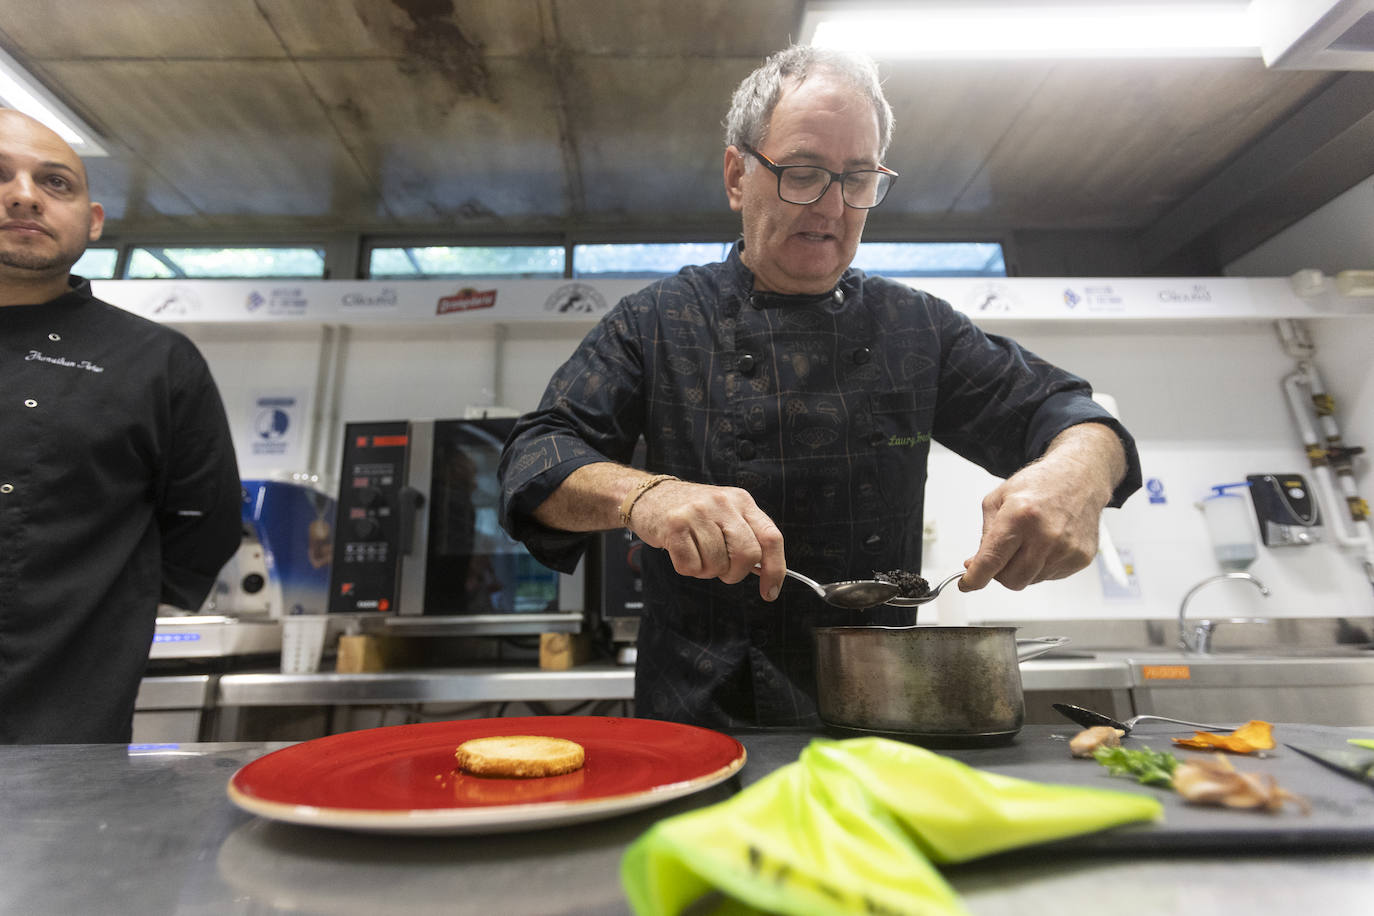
(854, 595)
(1088, 718)
(928, 597)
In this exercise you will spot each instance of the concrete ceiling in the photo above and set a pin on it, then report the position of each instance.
(601, 119)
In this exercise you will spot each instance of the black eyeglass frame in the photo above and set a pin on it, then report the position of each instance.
(778, 170)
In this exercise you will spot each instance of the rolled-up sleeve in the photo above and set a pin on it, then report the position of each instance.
(1065, 409)
(592, 411)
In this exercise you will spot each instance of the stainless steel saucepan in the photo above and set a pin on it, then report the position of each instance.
(936, 686)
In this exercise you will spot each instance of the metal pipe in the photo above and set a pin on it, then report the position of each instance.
(324, 360)
(1304, 389)
(331, 396)
(498, 369)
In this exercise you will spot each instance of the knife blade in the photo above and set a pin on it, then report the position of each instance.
(1358, 765)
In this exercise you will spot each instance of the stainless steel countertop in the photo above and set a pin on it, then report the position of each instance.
(1075, 674)
(114, 829)
(189, 691)
(520, 684)
(428, 685)
(1103, 670)
(1156, 668)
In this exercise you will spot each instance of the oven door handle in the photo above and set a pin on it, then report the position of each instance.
(411, 501)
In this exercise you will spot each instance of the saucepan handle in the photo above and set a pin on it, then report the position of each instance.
(1026, 649)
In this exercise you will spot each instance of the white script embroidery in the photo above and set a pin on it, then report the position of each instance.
(63, 361)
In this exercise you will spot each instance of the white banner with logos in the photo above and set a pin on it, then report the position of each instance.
(361, 302)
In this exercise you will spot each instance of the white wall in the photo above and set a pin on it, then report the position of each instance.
(248, 362)
(1338, 236)
(1203, 399)
(1206, 407)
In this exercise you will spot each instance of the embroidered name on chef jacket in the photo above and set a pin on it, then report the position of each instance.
(63, 361)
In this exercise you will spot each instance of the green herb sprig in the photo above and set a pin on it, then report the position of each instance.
(1151, 768)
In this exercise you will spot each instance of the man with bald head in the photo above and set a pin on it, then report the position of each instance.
(118, 484)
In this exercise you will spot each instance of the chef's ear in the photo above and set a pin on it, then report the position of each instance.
(97, 221)
(735, 163)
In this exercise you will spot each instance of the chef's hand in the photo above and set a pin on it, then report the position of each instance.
(711, 533)
(1042, 522)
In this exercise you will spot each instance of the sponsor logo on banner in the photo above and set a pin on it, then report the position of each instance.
(177, 301)
(465, 300)
(575, 299)
(1101, 298)
(991, 297)
(384, 298)
(283, 301)
(1198, 292)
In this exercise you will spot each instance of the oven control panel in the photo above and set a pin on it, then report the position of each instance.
(371, 517)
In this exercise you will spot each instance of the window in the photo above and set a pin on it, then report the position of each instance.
(150, 263)
(438, 261)
(931, 259)
(644, 260)
(97, 264)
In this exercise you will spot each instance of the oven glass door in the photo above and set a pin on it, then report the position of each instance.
(472, 566)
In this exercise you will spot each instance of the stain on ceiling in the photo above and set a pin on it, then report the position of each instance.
(600, 120)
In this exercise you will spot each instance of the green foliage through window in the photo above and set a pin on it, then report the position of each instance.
(149, 262)
(439, 261)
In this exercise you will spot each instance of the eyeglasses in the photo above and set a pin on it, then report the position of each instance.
(862, 189)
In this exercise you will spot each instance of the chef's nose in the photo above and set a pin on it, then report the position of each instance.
(20, 192)
(831, 202)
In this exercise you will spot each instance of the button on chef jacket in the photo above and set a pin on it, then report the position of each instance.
(118, 488)
(823, 408)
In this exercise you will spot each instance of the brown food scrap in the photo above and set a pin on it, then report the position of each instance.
(1090, 739)
(1250, 737)
(1212, 780)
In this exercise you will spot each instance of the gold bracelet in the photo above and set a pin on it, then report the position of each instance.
(645, 485)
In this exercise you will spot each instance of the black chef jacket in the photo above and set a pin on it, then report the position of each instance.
(118, 488)
(823, 408)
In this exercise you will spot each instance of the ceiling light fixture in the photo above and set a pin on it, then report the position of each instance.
(20, 91)
(981, 29)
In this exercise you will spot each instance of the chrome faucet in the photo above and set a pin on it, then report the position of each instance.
(1199, 640)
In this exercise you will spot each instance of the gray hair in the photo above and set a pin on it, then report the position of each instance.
(752, 106)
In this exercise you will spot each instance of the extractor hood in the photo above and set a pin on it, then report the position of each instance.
(1315, 34)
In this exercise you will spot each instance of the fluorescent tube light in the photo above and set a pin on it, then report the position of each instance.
(988, 29)
(20, 91)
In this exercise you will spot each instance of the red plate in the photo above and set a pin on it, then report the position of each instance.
(403, 779)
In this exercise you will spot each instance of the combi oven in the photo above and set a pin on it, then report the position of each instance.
(417, 535)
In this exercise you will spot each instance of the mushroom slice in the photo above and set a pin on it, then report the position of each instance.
(1212, 780)
(1085, 742)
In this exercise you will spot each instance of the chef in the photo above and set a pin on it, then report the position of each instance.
(788, 403)
(118, 484)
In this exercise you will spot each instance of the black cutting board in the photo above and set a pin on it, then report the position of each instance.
(1342, 815)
